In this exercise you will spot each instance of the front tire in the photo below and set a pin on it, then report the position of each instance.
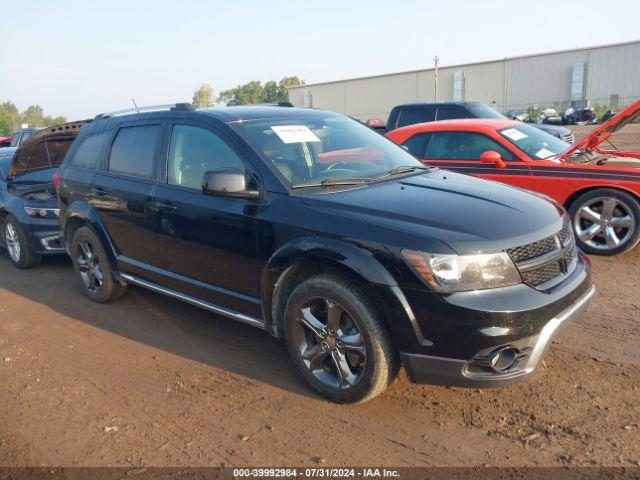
(17, 245)
(337, 341)
(93, 268)
(606, 221)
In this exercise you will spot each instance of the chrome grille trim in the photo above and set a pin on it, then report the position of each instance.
(547, 262)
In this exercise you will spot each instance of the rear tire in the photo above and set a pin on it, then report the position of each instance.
(17, 245)
(93, 267)
(606, 221)
(337, 341)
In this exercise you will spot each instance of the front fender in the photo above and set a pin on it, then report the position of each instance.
(331, 252)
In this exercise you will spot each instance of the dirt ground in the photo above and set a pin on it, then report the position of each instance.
(150, 381)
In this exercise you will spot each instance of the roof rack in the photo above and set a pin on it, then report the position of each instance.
(174, 107)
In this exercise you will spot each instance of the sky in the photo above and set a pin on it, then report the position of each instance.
(80, 58)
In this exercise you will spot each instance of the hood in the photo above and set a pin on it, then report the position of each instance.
(44, 149)
(464, 212)
(604, 131)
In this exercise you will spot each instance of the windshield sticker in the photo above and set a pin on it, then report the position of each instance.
(514, 134)
(544, 153)
(295, 133)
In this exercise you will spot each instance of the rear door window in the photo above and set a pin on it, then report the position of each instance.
(411, 116)
(87, 150)
(133, 151)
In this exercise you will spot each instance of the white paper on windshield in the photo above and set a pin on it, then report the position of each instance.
(544, 153)
(514, 134)
(295, 133)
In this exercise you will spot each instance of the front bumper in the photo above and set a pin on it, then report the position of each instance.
(477, 372)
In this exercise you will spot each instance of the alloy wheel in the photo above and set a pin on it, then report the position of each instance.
(89, 266)
(604, 223)
(330, 343)
(12, 242)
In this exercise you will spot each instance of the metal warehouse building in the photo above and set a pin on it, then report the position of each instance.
(604, 75)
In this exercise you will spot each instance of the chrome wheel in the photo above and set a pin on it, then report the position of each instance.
(89, 266)
(330, 343)
(604, 223)
(12, 242)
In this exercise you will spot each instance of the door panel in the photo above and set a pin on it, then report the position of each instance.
(127, 208)
(209, 242)
(124, 197)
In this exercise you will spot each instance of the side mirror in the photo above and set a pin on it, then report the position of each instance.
(493, 158)
(227, 182)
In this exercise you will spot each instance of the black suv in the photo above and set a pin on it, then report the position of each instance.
(309, 225)
(412, 113)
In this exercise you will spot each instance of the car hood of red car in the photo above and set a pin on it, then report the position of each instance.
(604, 131)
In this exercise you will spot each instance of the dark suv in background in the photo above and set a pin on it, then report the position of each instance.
(29, 227)
(311, 226)
(412, 113)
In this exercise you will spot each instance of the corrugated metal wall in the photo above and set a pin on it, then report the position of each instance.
(513, 83)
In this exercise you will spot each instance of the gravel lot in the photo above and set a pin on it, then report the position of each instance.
(149, 381)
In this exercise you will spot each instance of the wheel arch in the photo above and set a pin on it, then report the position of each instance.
(303, 257)
(83, 215)
(578, 193)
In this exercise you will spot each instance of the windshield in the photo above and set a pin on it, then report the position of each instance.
(534, 142)
(322, 147)
(482, 110)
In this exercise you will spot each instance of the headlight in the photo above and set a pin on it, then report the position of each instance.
(42, 212)
(460, 273)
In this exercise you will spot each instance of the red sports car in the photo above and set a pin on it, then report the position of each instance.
(600, 188)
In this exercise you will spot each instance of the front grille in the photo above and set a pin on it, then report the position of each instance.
(545, 263)
(542, 274)
(532, 250)
(569, 138)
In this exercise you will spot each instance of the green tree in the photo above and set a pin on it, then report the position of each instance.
(34, 116)
(254, 92)
(283, 94)
(203, 96)
(9, 118)
(270, 92)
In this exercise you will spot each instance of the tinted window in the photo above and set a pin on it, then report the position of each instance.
(195, 151)
(15, 139)
(133, 150)
(411, 116)
(462, 146)
(482, 110)
(87, 150)
(417, 143)
(450, 113)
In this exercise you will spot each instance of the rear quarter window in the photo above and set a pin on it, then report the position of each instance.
(133, 151)
(87, 150)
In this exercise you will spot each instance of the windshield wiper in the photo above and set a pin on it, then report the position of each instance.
(330, 182)
(403, 169)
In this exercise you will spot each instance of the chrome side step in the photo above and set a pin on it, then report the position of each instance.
(227, 312)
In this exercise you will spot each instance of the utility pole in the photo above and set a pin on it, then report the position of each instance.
(435, 78)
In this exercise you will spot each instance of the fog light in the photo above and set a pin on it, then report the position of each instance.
(502, 360)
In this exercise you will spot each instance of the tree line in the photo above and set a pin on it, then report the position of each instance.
(11, 118)
(249, 93)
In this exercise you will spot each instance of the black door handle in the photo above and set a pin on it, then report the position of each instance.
(98, 191)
